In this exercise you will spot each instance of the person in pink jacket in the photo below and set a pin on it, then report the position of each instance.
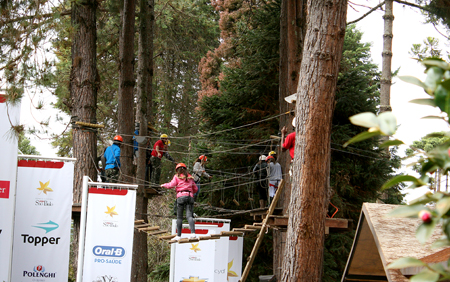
(185, 187)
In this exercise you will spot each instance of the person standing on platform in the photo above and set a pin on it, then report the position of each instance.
(288, 143)
(159, 150)
(199, 171)
(275, 176)
(112, 156)
(260, 172)
(185, 187)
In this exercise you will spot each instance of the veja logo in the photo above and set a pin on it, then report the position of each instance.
(4, 189)
(48, 226)
(44, 187)
(111, 211)
(106, 278)
(39, 271)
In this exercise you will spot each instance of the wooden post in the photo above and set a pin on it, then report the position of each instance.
(261, 233)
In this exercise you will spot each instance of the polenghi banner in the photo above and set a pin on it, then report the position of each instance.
(109, 235)
(42, 221)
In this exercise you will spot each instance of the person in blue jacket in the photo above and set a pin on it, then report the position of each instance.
(112, 155)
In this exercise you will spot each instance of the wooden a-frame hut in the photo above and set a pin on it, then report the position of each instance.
(379, 240)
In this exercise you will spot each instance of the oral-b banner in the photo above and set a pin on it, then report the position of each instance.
(8, 170)
(42, 221)
(206, 260)
(235, 250)
(108, 247)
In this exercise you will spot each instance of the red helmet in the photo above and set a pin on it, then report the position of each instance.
(118, 138)
(203, 157)
(180, 165)
(269, 157)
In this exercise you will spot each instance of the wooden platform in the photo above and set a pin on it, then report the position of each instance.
(331, 224)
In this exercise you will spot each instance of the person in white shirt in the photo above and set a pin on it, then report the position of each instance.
(199, 171)
(275, 175)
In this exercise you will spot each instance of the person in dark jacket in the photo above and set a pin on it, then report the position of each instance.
(260, 172)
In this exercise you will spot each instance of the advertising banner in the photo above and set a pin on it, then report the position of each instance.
(8, 170)
(109, 235)
(42, 221)
(235, 250)
(210, 261)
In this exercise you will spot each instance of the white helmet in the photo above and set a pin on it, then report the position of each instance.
(262, 158)
(293, 122)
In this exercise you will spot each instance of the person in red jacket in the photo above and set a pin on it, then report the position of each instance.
(185, 187)
(159, 150)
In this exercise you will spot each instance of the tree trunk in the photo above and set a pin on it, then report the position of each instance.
(386, 73)
(83, 86)
(126, 86)
(144, 92)
(292, 33)
(314, 111)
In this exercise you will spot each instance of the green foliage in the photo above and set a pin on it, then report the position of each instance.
(25, 146)
(436, 157)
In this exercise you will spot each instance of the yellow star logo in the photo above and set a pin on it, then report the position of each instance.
(195, 247)
(111, 211)
(193, 279)
(44, 187)
(231, 273)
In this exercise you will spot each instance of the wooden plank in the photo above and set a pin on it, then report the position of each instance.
(158, 232)
(205, 237)
(142, 225)
(231, 233)
(149, 228)
(183, 241)
(252, 256)
(333, 223)
(252, 227)
(257, 224)
(336, 222)
(168, 237)
(244, 230)
(138, 221)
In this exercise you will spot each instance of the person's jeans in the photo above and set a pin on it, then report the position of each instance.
(185, 203)
(156, 170)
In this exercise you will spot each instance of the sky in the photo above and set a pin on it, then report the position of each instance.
(409, 28)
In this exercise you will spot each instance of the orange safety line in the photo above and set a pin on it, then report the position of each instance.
(334, 212)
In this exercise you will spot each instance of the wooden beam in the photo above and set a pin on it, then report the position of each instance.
(149, 228)
(158, 232)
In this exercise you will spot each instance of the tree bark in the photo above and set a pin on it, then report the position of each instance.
(292, 33)
(314, 111)
(126, 87)
(144, 92)
(386, 72)
(83, 87)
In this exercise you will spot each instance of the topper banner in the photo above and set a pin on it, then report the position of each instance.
(9, 115)
(109, 235)
(42, 222)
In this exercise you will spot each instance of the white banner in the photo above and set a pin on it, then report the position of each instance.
(8, 170)
(235, 250)
(210, 261)
(42, 221)
(109, 235)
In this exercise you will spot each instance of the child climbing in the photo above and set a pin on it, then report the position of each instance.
(199, 171)
(185, 187)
